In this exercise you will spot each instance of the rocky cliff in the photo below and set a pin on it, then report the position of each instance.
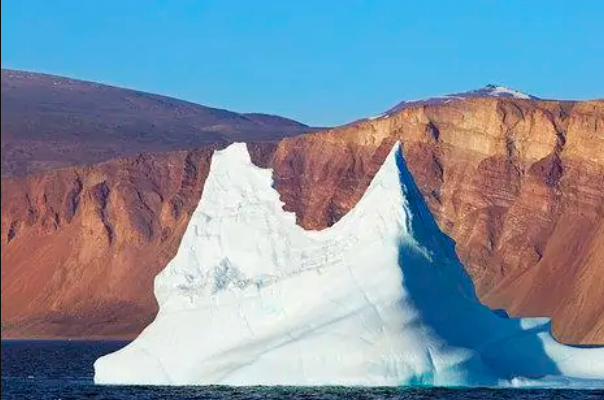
(516, 182)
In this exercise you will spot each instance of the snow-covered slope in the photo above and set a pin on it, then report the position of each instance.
(378, 299)
(497, 91)
(487, 91)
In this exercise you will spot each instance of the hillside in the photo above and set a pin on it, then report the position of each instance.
(50, 122)
(515, 181)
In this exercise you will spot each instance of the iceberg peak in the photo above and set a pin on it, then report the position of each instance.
(380, 298)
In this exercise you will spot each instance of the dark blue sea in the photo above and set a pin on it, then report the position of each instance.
(42, 370)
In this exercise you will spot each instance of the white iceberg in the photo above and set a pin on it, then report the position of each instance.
(379, 299)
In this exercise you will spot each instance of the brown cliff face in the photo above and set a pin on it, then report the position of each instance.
(81, 246)
(516, 183)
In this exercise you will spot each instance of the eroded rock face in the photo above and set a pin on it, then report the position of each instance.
(81, 246)
(516, 183)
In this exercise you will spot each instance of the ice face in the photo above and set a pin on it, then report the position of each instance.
(380, 298)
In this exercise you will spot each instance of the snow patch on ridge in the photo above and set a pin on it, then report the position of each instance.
(487, 91)
(378, 299)
(502, 91)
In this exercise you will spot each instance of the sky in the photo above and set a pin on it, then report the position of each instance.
(322, 62)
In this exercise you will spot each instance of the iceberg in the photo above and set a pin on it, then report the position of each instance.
(378, 299)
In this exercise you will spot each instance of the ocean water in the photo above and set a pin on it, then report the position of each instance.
(42, 370)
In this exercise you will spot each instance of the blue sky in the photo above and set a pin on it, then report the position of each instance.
(323, 62)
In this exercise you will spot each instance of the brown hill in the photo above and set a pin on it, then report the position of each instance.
(517, 183)
(50, 121)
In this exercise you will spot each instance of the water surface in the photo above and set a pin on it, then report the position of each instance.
(45, 370)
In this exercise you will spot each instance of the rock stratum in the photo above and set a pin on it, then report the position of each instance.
(516, 182)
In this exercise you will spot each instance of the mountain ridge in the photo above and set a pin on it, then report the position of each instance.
(517, 184)
(488, 91)
(50, 121)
